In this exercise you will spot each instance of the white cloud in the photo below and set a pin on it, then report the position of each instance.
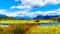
(3, 12)
(39, 2)
(28, 4)
(30, 14)
(16, 13)
(13, 7)
(23, 7)
(34, 14)
(26, 7)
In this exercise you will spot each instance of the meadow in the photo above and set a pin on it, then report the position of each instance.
(24, 21)
(45, 30)
(21, 29)
(28, 27)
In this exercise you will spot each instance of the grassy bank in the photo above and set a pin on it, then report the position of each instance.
(20, 29)
(44, 30)
(24, 21)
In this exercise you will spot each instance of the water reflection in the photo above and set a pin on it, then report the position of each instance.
(4, 24)
(50, 24)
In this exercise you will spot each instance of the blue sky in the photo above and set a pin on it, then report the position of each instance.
(46, 8)
(6, 4)
(29, 8)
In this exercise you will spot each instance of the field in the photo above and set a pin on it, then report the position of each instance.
(45, 30)
(33, 30)
(24, 21)
(28, 27)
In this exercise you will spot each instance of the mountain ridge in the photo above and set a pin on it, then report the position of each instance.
(29, 18)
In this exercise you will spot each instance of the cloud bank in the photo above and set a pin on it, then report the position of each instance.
(30, 14)
(27, 5)
(33, 3)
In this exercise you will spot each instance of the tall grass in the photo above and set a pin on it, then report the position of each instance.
(44, 30)
(21, 29)
(24, 21)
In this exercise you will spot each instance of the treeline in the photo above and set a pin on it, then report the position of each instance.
(58, 19)
(10, 18)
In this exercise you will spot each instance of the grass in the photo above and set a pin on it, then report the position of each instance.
(44, 30)
(33, 30)
(24, 21)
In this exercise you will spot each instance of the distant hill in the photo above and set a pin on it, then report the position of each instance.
(45, 17)
(4, 17)
(24, 17)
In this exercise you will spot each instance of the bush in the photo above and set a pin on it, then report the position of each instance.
(58, 19)
(1, 30)
(18, 29)
(37, 20)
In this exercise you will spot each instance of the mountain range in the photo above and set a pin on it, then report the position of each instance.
(27, 17)
(46, 16)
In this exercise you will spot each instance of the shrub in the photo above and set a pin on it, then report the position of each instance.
(18, 29)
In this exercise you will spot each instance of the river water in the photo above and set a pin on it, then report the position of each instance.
(4, 25)
(50, 24)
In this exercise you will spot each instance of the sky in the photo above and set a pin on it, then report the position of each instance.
(30, 8)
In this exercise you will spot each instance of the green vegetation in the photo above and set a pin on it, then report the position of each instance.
(21, 29)
(25, 21)
(44, 30)
(12, 20)
(17, 29)
(21, 26)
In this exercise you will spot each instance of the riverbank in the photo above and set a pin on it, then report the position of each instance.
(33, 30)
(44, 30)
(24, 21)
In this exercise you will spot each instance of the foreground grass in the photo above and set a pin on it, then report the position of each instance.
(17, 29)
(44, 30)
(24, 21)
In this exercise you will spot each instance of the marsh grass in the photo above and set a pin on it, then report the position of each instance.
(18, 27)
(21, 29)
(24, 21)
(44, 30)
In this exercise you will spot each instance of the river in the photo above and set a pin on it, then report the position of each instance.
(50, 24)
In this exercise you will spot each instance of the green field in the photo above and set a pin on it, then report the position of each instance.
(33, 30)
(45, 30)
(19, 27)
(24, 21)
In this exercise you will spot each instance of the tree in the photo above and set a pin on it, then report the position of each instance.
(58, 19)
(37, 20)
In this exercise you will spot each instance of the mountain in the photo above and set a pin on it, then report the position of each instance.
(49, 17)
(39, 17)
(24, 17)
(46, 17)
(2, 16)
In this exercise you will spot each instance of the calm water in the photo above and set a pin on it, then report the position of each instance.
(50, 24)
(4, 25)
